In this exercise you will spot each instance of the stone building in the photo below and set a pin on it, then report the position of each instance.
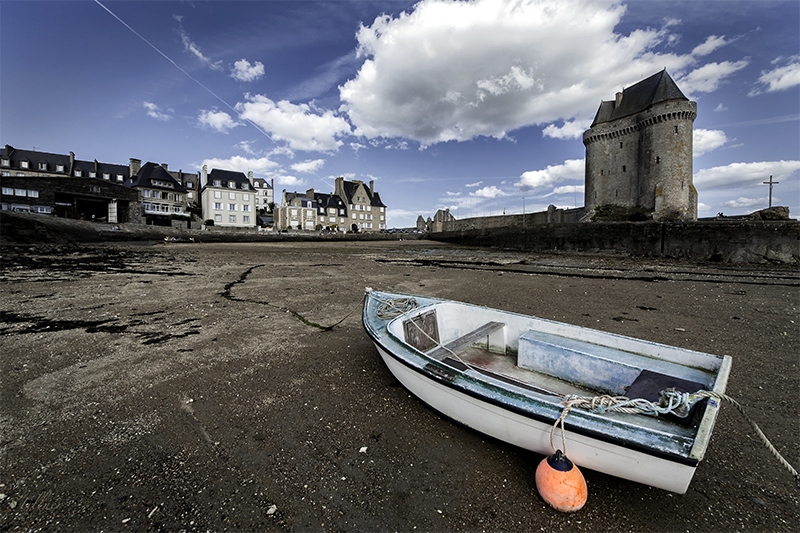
(352, 207)
(162, 195)
(639, 151)
(61, 185)
(228, 198)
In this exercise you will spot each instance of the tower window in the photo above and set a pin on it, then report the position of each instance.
(676, 130)
(658, 159)
(623, 168)
(620, 145)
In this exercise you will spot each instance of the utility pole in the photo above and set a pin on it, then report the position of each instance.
(770, 183)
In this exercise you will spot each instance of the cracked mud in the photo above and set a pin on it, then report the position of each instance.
(231, 387)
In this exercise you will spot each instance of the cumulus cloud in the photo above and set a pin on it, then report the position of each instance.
(572, 169)
(155, 112)
(572, 129)
(745, 174)
(568, 189)
(309, 166)
(452, 70)
(745, 202)
(217, 120)
(489, 192)
(779, 78)
(259, 165)
(302, 127)
(707, 78)
(244, 71)
(707, 140)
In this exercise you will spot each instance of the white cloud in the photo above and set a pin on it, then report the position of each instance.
(299, 125)
(288, 181)
(244, 71)
(745, 174)
(193, 49)
(454, 70)
(489, 192)
(246, 147)
(711, 43)
(720, 107)
(745, 202)
(155, 112)
(476, 184)
(258, 165)
(568, 189)
(572, 129)
(707, 140)
(707, 78)
(308, 166)
(572, 169)
(217, 120)
(779, 79)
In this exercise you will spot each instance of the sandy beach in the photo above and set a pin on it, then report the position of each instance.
(231, 387)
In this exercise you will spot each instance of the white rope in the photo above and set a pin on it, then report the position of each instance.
(671, 401)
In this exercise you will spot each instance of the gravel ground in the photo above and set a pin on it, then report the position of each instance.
(200, 387)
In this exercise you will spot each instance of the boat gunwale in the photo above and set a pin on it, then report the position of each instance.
(694, 441)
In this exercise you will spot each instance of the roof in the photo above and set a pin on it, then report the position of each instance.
(52, 162)
(227, 176)
(153, 172)
(657, 88)
(350, 188)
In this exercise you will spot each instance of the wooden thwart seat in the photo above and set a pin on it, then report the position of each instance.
(467, 340)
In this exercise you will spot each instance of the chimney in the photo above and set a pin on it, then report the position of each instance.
(165, 166)
(205, 175)
(372, 187)
(71, 162)
(310, 193)
(619, 100)
(135, 166)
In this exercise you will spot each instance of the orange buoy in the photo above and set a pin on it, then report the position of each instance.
(560, 483)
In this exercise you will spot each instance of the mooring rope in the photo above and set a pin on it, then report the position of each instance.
(671, 401)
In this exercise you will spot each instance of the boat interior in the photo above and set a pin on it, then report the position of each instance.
(553, 358)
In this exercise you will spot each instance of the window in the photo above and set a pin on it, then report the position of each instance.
(5, 174)
(120, 178)
(23, 164)
(232, 219)
(676, 130)
(146, 206)
(78, 173)
(94, 188)
(246, 219)
(190, 184)
(231, 196)
(106, 176)
(217, 183)
(246, 197)
(623, 168)
(145, 193)
(60, 168)
(217, 218)
(620, 145)
(245, 207)
(8, 190)
(6, 162)
(217, 194)
(218, 205)
(20, 192)
(231, 207)
(658, 159)
(231, 184)
(42, 166)
(33, 194)
(92, 174)
(246, 186)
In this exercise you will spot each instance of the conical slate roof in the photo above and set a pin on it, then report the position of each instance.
(657, 88)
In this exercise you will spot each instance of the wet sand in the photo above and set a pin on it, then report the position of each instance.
(200, 387)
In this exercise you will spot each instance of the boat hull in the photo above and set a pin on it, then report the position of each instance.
(514, 428)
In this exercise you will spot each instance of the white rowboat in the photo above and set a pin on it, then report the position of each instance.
(506, 375)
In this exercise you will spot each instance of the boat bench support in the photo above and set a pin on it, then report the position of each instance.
(482, 334)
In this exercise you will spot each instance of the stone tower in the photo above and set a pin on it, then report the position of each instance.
(639, 151)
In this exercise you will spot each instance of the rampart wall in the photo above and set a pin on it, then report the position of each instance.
(723, 241)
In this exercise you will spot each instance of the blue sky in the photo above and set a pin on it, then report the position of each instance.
(475, 106)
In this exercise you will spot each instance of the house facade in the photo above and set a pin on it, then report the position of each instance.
(353, 206)
(639, 151)
(61, 185)
(228, 198)
(161, 195)
(265, 195)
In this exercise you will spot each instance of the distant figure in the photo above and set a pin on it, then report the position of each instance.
(92, 218)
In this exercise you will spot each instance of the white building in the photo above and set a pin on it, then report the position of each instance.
(228, 198)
